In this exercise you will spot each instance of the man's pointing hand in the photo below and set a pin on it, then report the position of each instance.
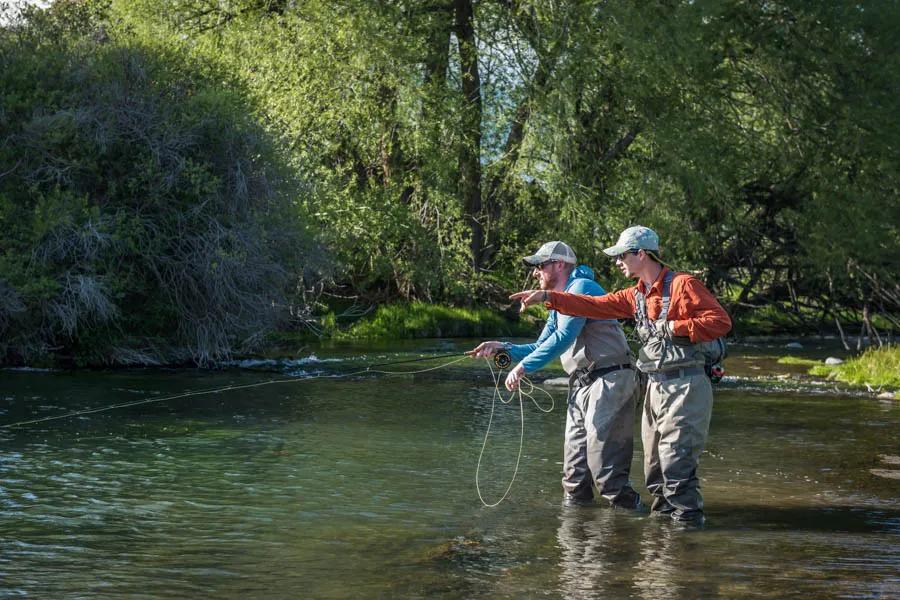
(529, 298)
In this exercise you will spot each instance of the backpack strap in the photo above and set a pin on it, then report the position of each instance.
(666, 296)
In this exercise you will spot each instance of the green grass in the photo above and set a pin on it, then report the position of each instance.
(410, 321)
(877, 367)
(796, 360)
(423, 320)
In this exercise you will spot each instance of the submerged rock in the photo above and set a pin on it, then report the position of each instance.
(559, 381)
(831, 360)
(457, 549)
(794, 345)
(889, 459)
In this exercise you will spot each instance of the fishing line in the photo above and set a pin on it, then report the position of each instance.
(412, 360)
(497, 394)
(228, 388)
(501, 360)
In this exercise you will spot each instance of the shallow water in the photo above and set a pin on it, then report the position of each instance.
(365, 487)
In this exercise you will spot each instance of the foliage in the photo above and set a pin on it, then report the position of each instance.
(876, 367)
(423, 320)
(760, 132)
(431, 144)
(142, 214)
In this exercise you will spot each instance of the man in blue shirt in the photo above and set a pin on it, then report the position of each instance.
(601, 405)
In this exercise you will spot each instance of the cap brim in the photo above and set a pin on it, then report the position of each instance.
(533, 260)
(616, 250)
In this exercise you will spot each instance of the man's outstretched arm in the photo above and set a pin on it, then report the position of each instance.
(617, 305)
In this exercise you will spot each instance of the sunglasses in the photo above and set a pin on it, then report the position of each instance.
(544, 264)
(626, 253)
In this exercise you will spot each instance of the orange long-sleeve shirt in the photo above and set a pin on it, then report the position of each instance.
(693, 310)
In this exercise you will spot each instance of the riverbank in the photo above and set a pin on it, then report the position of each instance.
(396, 326)
(877, 369)
(417, 320)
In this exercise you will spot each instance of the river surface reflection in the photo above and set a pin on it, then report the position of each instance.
(364, 487)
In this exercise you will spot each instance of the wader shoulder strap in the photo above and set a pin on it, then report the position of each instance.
(666, 296)
(640, 313)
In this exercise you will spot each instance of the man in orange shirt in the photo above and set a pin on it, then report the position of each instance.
(678, 321)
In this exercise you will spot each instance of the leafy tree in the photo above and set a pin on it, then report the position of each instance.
(143, 212)
(431, 143)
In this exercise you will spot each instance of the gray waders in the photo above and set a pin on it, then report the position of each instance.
(600, 417)
(677, 410)
(599, 442)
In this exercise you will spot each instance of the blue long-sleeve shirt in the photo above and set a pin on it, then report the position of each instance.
(560, 331)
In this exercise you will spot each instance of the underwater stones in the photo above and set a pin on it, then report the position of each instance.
(458, 549)
(558, 381)
(794, 345)
(891, 461)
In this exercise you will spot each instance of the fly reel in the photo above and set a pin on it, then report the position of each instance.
(502, 359)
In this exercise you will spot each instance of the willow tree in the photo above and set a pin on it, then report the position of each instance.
(434, 141)
(778, 149)
(406, 121)
(754, 135)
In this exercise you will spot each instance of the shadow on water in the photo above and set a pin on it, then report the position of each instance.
(826, 519)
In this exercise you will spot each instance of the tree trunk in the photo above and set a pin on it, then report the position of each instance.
(437, 60)
(470, 160)
(391, 157)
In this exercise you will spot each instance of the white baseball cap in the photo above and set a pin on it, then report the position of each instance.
(551, 251)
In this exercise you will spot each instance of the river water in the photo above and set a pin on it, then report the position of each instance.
(364, 487)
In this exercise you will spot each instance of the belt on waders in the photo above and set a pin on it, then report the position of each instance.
(675, 374)
(587, 377)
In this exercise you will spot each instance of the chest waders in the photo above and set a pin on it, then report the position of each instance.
(599, 349)
(663, 357)
(599, 432)
(677, 410)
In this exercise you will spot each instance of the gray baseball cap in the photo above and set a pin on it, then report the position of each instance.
(635, 238)
(551, 251)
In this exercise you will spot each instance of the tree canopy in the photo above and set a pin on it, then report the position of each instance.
(426, 145)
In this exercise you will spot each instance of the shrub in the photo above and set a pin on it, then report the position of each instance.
(141, 205)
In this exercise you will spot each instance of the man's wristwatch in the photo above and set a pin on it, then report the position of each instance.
(544, 296)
